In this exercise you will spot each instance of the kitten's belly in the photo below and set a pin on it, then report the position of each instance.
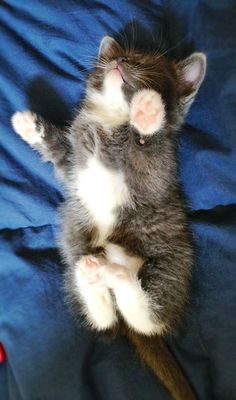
(102, 192)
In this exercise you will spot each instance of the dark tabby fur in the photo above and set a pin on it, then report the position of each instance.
(155, 229)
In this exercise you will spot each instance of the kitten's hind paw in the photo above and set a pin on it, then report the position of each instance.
(147, 112)
(91, 268)
(95, 298)
(25, 124)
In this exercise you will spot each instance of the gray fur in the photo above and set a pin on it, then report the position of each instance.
(155, 228)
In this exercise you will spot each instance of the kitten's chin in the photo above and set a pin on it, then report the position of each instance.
(108, 106)
(114, 77)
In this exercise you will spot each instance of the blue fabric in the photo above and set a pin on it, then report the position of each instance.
(46, 47)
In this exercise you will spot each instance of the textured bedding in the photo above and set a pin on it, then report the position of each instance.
(46, 49)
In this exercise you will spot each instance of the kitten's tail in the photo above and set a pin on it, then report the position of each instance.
(155, 353)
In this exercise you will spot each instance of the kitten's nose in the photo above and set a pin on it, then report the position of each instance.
(121, 60)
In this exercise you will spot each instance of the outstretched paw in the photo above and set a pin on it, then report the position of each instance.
(25, 124)
(147, 112)
(91, 269)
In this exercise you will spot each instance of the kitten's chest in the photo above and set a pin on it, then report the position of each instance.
(102, 191)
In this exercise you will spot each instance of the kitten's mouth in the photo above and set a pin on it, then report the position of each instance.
(123, 75)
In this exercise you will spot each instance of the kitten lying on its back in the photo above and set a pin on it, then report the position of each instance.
(125, 237)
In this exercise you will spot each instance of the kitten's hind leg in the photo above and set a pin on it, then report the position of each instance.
(95, 297)
(51, 141)
(132, 301)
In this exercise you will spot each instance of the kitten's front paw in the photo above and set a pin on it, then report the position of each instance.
(91, 268)
(147, 112)
(25, 124)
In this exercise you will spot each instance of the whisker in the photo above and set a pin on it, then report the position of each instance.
(173, 47)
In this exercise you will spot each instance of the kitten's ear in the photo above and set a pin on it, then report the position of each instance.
(108, 45)
(192, 72)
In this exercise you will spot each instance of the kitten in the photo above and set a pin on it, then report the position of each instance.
(125, 237)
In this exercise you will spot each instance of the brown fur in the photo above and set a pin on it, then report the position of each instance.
(155, 353)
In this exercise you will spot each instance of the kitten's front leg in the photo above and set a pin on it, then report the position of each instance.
(27, 125)
(147, 112)
(95, 297)
(51, 141)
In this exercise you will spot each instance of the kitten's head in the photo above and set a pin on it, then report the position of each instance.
(120, 73)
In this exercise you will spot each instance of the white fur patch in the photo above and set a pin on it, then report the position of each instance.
(102, 191)
(97, 301)
(131, 300)
(117, 255)
(24, 123)
(110, 107)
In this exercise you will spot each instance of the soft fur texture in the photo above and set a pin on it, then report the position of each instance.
(125, 236)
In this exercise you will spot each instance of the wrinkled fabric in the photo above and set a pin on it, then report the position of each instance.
(46, 50)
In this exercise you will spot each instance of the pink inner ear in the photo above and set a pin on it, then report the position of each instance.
(192, 72)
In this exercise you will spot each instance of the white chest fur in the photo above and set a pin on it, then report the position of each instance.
(102, 191)
(109, 105)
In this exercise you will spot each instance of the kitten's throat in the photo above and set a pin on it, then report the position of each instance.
(109, 107)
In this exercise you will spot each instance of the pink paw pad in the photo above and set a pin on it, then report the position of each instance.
(91, 269)
(147, 113)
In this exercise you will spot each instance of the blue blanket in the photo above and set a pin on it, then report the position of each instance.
(46, 49)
